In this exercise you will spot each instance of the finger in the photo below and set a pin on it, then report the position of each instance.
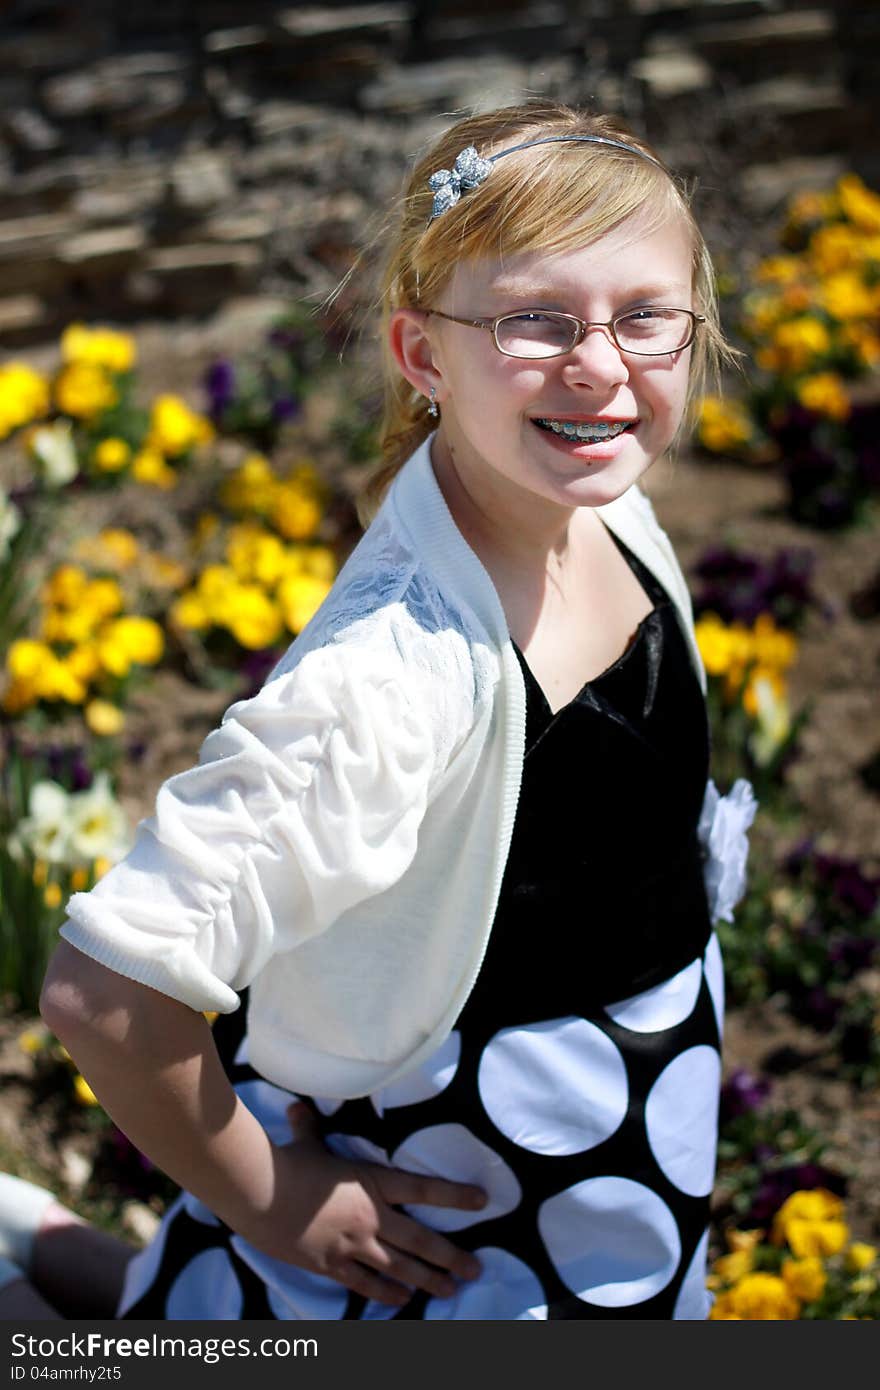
(397, 1186)
(360, 1280)
(394, 1264)
(429, 1247)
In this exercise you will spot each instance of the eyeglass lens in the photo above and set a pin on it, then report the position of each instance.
(645, 331)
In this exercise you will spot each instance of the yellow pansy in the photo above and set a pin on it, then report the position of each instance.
(773, 646)
(836, 247)
(730, 1268)
(103, 596)
(65, 586)
(112, 455)
(175, 428)
(846, 296)
(799, 342)
(859, 203)
(24, 396)
(140, 638)
(864, 342)
(779, 270)
(26, 658)
(113, 548)
(59, 681)
(253, 619)
(860, 1256)
(79, 879)
(825, 394)
(758, 1297)
(251, 488)
(104, 718)
(811, 1223)
(722, 425)
(295, 511)
(216, 585)
(84, 390)
(189, 612)
(255, 554)
(300, 597)
(84, 662)
(805, 1278)
(811, 206)
(58, 625)
(149, 467)
(103, 347)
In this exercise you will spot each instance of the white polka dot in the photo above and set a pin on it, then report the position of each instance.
(143, 1268)
(507, 1290)
(452, 1152)
(294, 1293)
(714, 967)
(328, 1105)
(664, 1006)
(681, 1119)
(694, 1300)
(269, 1104)
(206, 1288)
(198, 1211)
(532, 1085)
(614, 1242)
(428, 1080)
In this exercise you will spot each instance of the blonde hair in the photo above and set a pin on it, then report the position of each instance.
(551, 198)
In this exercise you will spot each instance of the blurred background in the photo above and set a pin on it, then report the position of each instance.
(186, 420)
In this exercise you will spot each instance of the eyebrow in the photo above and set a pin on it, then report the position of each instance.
(539, 293)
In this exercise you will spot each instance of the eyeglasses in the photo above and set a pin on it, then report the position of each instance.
(536, 333)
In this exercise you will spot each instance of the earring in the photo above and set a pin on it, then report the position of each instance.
(433, 408)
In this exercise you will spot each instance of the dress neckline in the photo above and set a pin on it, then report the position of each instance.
(654, 591)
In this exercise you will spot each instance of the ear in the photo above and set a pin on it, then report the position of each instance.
(413, 349)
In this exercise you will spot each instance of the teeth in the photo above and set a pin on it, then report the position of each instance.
(597, 429)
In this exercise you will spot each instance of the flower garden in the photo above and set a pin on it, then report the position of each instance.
(159, 551)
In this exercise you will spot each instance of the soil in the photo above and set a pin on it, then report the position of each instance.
(46, 1137)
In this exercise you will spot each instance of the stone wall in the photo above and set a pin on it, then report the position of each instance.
(159, 156)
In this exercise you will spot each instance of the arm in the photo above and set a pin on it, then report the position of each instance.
(152, 1063)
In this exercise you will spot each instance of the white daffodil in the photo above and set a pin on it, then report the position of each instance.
(98, 825)
(55, 451)
(45, 832)
(10, 523)
(773, 722)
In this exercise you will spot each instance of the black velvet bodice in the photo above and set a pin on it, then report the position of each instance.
(605, 869)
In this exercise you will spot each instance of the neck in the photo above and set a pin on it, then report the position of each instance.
(504, 524)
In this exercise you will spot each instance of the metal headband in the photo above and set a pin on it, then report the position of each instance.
(470, 169)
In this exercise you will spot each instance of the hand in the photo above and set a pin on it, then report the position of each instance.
(338, 1218)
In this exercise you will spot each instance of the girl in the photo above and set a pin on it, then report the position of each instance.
(459, 850)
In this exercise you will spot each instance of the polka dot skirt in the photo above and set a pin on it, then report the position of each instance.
(580, 1085)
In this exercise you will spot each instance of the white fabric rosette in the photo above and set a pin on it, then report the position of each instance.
(722, 828)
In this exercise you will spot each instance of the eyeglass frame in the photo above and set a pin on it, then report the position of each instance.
(583, 325)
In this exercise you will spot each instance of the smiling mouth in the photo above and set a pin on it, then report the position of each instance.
(584, 432)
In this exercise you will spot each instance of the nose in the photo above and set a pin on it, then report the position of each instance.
(597, 360)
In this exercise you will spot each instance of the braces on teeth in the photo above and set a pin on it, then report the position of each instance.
(571, 430)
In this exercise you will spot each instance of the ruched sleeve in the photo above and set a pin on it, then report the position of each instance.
(306, 800)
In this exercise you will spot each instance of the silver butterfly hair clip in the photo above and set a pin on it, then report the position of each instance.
(471, 169)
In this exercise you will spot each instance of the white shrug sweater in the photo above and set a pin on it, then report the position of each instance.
(340, 845)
